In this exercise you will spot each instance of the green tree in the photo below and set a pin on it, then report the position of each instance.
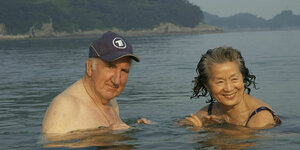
(73, 15)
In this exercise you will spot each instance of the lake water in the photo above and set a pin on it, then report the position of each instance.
(33, 72)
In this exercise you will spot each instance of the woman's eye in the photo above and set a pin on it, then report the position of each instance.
(219, 82)
(235, 79)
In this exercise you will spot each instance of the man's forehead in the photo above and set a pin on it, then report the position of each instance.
(118, 61)
(121, 60)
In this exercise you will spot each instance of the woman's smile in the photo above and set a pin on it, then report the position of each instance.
(229, 96)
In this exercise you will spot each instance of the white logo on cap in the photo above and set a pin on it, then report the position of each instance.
(119, 43)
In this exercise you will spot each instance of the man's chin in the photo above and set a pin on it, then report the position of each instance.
(110, 97)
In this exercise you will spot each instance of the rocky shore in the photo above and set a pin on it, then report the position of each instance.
(47, 31)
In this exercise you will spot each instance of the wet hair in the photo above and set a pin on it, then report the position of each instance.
(94, 63)
(218, 56)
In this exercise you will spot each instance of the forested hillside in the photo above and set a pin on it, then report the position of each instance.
(18, 16)
(245, 21)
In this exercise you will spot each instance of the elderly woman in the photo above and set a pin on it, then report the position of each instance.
(223, 76)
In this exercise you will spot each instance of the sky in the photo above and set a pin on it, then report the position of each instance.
(261, 8)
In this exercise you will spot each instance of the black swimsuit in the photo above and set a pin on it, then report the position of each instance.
(275, 117)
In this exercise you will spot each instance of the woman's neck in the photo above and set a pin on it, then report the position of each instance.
(239, 113)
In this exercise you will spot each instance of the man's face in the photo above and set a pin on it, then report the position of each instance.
(109, 78)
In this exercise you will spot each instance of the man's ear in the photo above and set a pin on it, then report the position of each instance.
(89, 67)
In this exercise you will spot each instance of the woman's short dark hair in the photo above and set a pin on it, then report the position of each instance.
(217, 56)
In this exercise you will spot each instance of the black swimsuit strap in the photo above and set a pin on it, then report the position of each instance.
(275, 117)
(210, 107)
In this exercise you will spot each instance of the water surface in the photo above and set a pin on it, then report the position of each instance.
(33, 72)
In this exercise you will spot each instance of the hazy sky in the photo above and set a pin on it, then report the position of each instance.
(261, 8)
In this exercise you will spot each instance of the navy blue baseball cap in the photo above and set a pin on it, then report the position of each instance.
(110, 47)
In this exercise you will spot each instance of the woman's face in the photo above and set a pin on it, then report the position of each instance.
(226, 83)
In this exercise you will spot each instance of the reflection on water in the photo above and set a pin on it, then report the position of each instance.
(99, 138)
(226, 137)
(217, 137)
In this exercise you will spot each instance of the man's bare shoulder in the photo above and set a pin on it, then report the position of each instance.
(64, 100)
(60, 113)
(69, 98)
(62, 110)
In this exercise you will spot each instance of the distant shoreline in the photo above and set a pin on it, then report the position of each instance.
(162, 29)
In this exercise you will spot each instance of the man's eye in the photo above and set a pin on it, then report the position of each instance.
(125, 70)
(110, 65)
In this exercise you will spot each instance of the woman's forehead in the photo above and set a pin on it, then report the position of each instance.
(222, 68)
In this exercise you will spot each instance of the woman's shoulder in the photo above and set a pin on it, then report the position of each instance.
(261, 119)
(255, 103)
(203, 111)
(261, 115)
(209, 109)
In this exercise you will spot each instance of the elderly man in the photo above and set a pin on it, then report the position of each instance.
(89, 103)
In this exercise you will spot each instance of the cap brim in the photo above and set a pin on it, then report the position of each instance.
(135, 58)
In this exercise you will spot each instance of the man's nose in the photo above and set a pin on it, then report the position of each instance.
(116, 79)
